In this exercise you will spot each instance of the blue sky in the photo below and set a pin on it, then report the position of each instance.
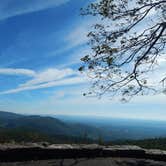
(41, 46)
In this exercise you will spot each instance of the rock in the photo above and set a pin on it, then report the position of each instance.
(44, 151)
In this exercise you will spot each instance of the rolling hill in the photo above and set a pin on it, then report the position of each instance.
(76, 129)
(46, 127)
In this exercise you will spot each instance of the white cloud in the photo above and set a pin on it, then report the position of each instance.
(67, 81)
(48, 78)
(75, 57)
(76, 103)
(162, 60)
(74, 38)
(11, 71)
(78, 35)
(11, 8)
(159, 72)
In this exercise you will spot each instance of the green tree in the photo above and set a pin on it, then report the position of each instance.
(127, 45)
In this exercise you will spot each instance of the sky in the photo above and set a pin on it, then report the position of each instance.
(41, 43)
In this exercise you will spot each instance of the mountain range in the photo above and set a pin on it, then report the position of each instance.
(76, 128)
(46, 126)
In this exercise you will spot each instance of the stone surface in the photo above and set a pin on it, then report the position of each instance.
(89, 162)
(46, 154)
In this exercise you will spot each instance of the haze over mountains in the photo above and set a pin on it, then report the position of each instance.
(119, 129)
(76, 128)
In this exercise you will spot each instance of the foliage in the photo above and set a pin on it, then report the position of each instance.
(127, 45)
(20, 128)
(155, 143)
(20, 135)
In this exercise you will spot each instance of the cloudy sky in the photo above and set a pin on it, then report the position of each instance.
(41, 43)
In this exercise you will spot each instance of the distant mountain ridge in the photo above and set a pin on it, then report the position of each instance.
(47, 125)
(9, 115)
(79, 129)
(121, 128)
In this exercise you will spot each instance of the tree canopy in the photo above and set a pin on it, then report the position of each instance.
(127, 46)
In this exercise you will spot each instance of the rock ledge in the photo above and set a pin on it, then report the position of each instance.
(44, 151)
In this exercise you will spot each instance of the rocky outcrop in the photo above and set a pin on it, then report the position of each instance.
(45, 151)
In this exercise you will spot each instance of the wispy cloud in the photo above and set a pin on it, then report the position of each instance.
(11, 8)
(68, 81)
(49, 78)
(49, 75)
(11, 71)
(75, 39)
(78, 35)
